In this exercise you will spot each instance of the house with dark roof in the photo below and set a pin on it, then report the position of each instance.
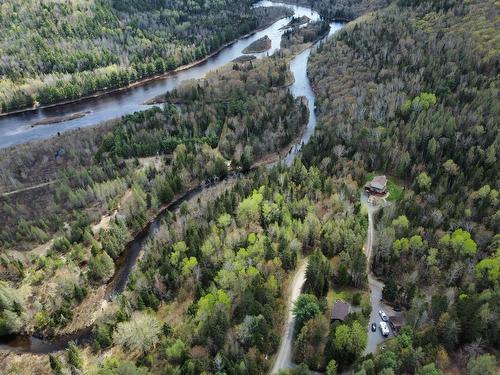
(340, 310)
(396, 322)
(377, 186)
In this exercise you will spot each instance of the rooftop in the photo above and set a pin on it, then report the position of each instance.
(340, 310)
(396, 320)
(378, 183)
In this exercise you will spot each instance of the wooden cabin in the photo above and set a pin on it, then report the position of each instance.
(377, 186)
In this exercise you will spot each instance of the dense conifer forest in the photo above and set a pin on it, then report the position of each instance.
(56, 51)
(409, 89)
(413, 93)
(231, 119)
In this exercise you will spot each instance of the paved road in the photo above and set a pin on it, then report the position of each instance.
(376, 286)
(284, 356)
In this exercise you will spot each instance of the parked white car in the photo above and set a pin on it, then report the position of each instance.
(383, 315)
(384, 329)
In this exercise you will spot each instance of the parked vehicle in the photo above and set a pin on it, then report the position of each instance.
(374, 327)
(384, 329)
(383, 315)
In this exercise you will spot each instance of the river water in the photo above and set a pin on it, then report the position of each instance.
(123, 264)
(15, 129)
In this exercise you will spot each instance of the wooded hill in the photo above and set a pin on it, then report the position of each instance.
(412, 92)
(55, 51)
(239, 114)
(209, 293)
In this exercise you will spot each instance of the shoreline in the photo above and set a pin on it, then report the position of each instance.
(58, 119)
(256, 48)
(298, 3)
(296, 23)
(142, 81)
(114, 284)
(244, 58)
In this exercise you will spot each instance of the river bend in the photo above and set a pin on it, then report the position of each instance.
(15, 129)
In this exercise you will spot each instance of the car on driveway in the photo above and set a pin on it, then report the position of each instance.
(384, 329)
(383, 315)
(374, 327)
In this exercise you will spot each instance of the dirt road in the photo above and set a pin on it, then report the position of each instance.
(376, 286)
(284, 356)
(28, 188)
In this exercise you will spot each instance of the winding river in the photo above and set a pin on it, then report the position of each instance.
(15, 129)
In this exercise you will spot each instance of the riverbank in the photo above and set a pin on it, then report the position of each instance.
(244, 58)
(162, 99)
(119, 280)
(142, 81)
(337, 12)
(124, 264)
(296, 22)
(13, 129)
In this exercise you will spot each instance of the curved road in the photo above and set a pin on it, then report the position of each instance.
(376, 286)
(284, 356)
(125, 263)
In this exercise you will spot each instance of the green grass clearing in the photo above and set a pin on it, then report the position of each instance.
(344, 293)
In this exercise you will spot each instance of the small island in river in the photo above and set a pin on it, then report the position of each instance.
(260, 45)
(58, 119)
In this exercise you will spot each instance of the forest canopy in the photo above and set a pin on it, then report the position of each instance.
(409, 91)
(55, 51)
(412, 92)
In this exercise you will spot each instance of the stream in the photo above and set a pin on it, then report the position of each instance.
(15, 129)
(124, 265)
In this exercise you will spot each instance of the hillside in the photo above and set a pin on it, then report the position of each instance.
(412, 92)
(240, 114)
(54, 51)
(231, 230)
